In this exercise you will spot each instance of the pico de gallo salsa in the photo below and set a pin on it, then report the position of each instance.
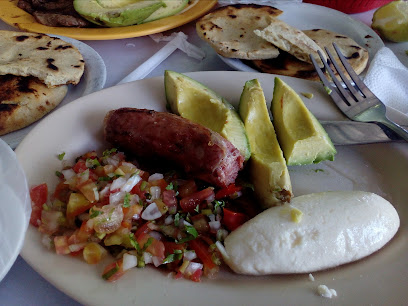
(107, 205)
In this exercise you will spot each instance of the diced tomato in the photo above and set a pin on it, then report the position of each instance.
(187, 188)
(200, 223)
(233, 219)
(38, 196)
(77, 204)
(160, 183)
(129, 213)
(189, 203)
(137, 190)
(144, 229)
(113, 271)
(201, 249)
(81, 235)
(80, 166)
(62, 192)
(156, 248)
(227, 191)
(169, 198)
(88, 188)
(196, 276)
(61, 245)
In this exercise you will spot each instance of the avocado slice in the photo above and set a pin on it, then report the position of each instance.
(171, 7)
(301, 136)
(267, 166)
(117, 13)
(192, 100)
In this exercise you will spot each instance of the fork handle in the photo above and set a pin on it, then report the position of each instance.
(396, 128)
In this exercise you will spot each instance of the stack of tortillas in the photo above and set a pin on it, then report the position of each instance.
(35, 70)
(254, 34)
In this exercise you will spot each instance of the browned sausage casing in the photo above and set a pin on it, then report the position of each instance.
(201, 152)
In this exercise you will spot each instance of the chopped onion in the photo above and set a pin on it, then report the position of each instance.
(129, 261)
(104, 192)
(211, 217)
(156, 235)
(185, 223)
(190, 255)
(47, 241)
(147, 257)
(76, 247)
(68, 173)
(210, 198)
(222, 234)
(96, 194)
(157, 261)
(192, 267)
(151, 212)
(131, 182)
(118, 183)
(214, 225)
(116, 198)
(155, 177)
(155, 191)
(222, 250)
(169, 220)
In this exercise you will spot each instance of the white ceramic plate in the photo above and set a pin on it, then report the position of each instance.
(93, 79)
(305, 16)
(381, 168)
(15, 208)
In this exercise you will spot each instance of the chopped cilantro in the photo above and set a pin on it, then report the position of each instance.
(108, 153)
(192, 231)
(177, 255)
(143, 185)
(126, 201)
(134, 243)
(59, 174)
(111, 272)
(197, 209)
(177, 219)
(218, 204)
(328, 90)
(94, 213)
(61, 156)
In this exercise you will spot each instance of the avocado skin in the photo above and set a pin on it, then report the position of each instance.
(267, 166)
(192, 100)
(128, 15)
(302, 138)
(171, 8)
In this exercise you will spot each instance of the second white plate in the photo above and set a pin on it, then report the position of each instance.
(305, 16)
(93, 79)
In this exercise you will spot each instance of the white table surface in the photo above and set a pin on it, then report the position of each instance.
(24, 286)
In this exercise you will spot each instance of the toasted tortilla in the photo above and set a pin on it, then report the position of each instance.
(24, 100)
(50, 59)
(287, 64)
(291, 40)
(230, 31)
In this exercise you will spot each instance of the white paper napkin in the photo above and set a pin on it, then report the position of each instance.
(387, 78)
(175, 41)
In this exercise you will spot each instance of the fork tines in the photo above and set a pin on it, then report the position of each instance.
(356, 92)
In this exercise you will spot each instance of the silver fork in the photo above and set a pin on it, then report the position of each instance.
(356, 101)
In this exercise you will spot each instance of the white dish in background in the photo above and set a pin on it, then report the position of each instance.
(15, 208)
(93, 79)
(77, 128)
(305, 16)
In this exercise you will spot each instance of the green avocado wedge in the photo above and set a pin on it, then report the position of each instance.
(192, 100)
(267, 166)
(116, 13)
(301, 136)
(171, 7)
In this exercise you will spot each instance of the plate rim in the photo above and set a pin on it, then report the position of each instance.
(16, 17)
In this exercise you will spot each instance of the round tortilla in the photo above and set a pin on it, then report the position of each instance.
(24, 100)
(50, 59)
(230, 31)
(286, 64)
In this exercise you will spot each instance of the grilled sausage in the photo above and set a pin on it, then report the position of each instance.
(202, 153)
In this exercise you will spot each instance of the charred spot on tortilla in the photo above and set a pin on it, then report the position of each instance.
(21, 38)
(50, 64)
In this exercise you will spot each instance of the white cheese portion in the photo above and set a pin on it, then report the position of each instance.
(337, 227)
